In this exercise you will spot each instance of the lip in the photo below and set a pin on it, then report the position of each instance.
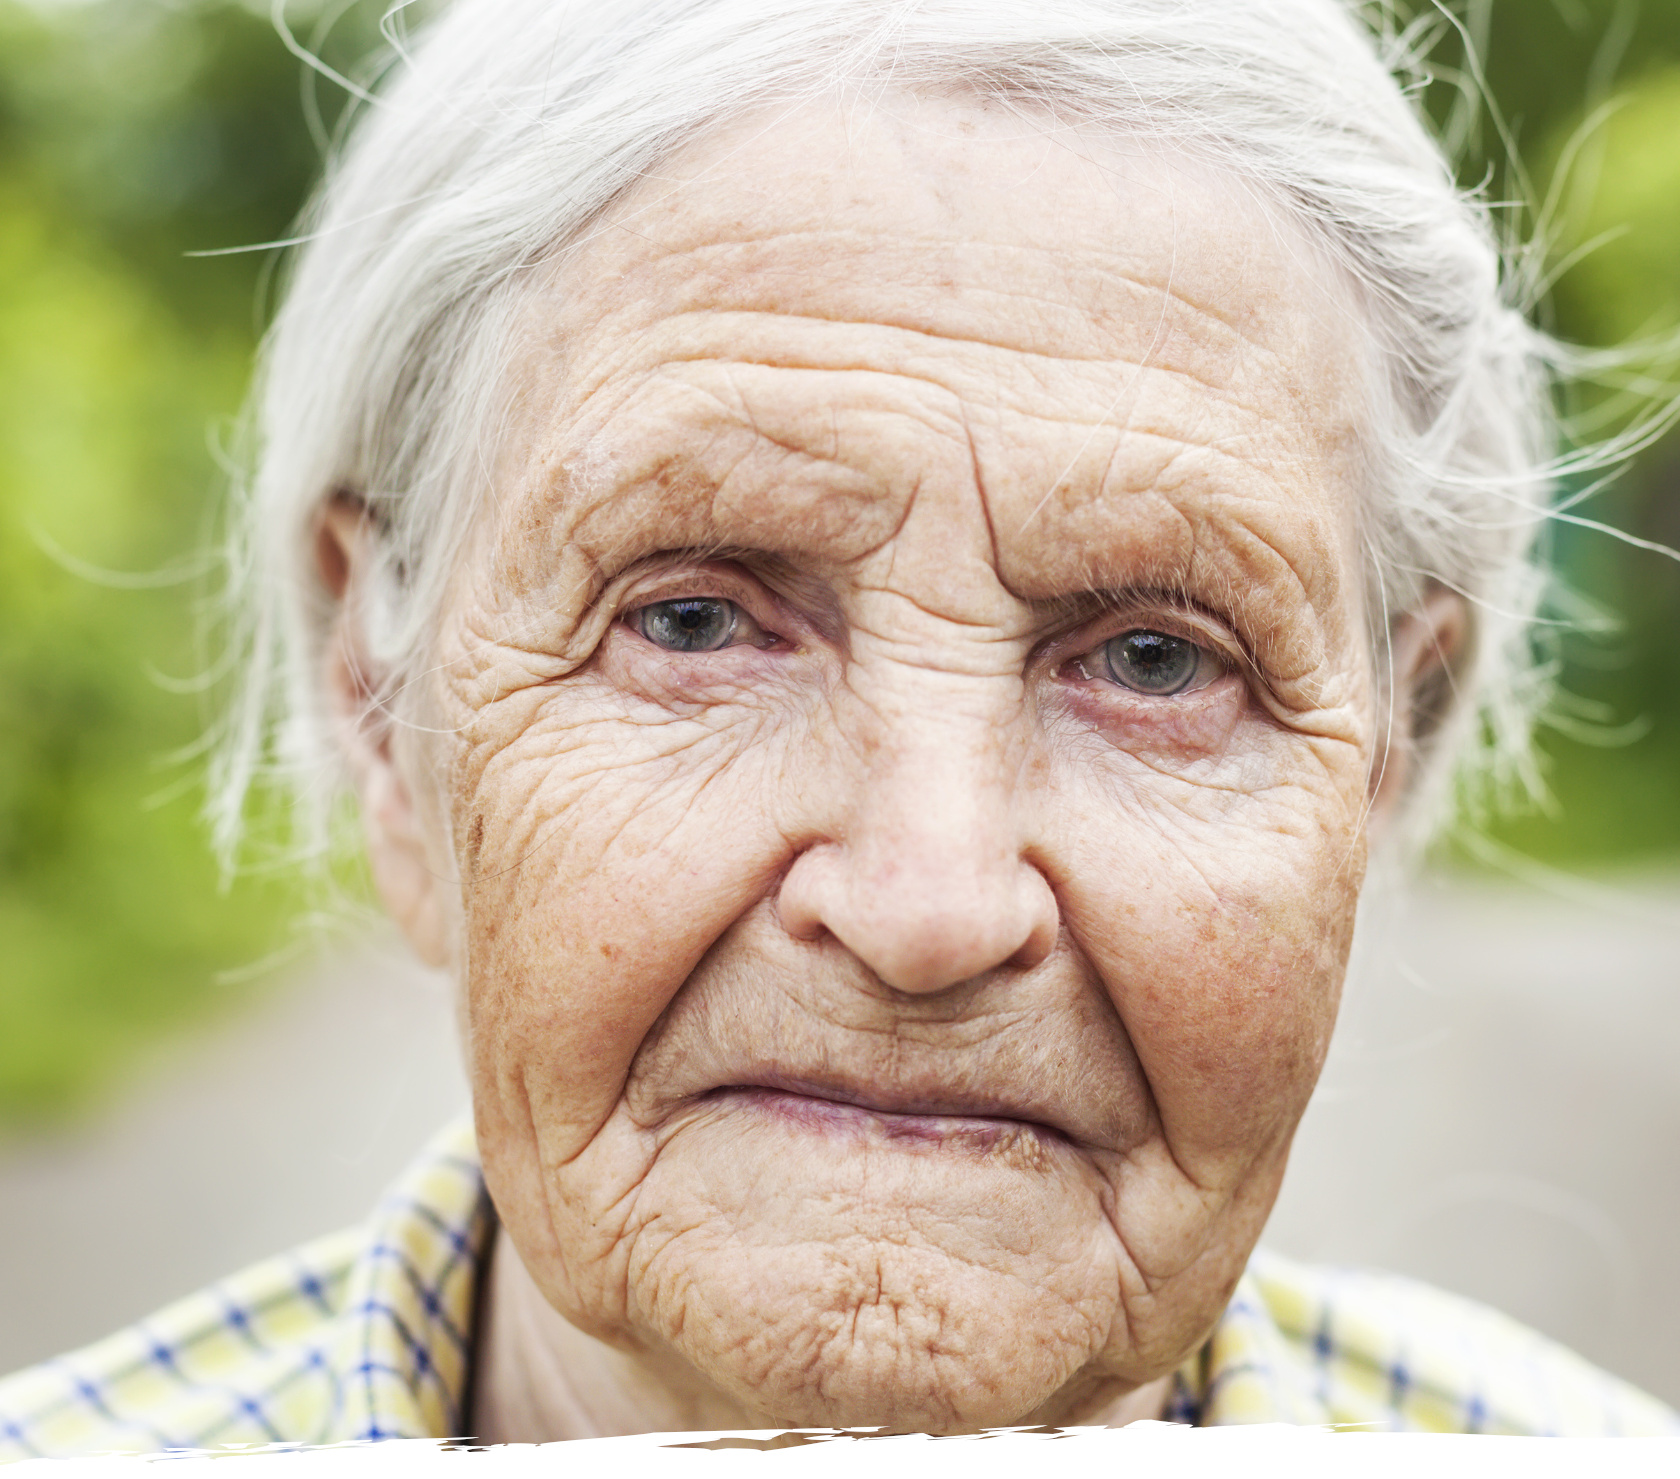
(900, 1114)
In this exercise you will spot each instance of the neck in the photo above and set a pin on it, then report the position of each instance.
(539, 1379)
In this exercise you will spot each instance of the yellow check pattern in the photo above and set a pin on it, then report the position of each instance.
(364, 1334)
(1373, 1351)
(367, 1334)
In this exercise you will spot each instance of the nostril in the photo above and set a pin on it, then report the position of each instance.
(920, 931)
(803, 901)
(1044, 916)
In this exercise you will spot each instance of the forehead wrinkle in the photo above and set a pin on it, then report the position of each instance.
(624, 513)
(698, 236)
(850, 364)
(744, 289)
(1002, 402)
(804, 339)
(681, 504)
(1114, 484)
(806, 344)
(1144, 413)
(696, 461)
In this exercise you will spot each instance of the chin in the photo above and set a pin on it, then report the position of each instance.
(877, 1335)
(870, 1281)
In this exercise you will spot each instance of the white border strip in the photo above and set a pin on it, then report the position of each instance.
(1151, 1448)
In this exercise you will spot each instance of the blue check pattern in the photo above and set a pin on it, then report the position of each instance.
(368, 1335)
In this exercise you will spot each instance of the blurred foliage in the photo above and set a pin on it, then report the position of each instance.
(1620, 799)
(130, 134)
(1594, 85)
(135, 132)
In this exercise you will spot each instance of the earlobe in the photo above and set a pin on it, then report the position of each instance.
(346, 559)
(1424, 646)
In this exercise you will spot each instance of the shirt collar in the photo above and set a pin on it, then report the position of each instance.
(402, 1359)
(1247, 1371)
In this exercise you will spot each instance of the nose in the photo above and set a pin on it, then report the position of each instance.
(926, 881)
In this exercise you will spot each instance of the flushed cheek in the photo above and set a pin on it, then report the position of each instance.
(1231, 1023)
(1222, 947)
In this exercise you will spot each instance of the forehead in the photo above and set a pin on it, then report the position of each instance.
(1126, 366)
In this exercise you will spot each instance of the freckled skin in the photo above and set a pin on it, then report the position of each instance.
(941, 406)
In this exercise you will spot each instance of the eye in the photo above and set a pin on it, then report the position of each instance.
(1156, 663)
(690, 624)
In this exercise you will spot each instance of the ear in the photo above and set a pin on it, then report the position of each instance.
(410, 884)
(1423, 646)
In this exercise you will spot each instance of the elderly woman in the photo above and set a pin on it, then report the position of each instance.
(877, 570)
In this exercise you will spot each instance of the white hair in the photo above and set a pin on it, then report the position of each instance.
(503, 135)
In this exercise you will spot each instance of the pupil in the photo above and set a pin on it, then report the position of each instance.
(693, 625)
(1152, 662)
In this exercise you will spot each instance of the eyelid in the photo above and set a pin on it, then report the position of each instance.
(761, 617)
(1140, 613)
(678, 579)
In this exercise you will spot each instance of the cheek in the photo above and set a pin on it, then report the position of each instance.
(602, 856)
(1219, 921)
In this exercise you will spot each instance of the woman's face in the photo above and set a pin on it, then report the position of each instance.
(907, 733)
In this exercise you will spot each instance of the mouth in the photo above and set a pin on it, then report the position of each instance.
(974, 1122)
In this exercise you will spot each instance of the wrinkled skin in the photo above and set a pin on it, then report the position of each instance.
(890, 1017)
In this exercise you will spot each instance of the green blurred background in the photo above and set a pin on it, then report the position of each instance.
(136, 132)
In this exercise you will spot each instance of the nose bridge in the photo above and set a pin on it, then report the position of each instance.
(937, 780)
(933, 706)
(925, 878)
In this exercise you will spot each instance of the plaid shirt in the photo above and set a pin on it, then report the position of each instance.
(367, 1335)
